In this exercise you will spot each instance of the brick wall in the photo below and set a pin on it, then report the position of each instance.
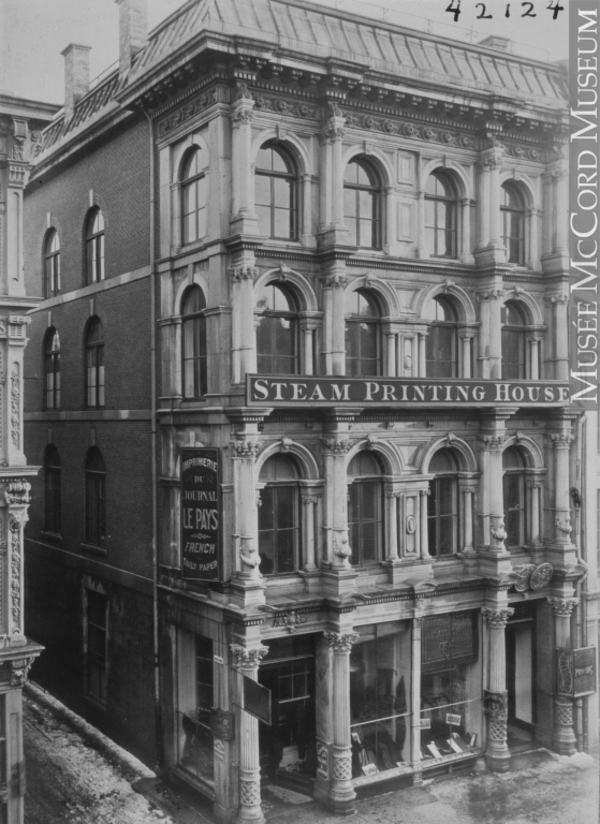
(119, 174)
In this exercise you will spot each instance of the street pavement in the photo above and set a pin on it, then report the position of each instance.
(75, 775)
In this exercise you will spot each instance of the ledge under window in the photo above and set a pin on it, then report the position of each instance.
(95, 549)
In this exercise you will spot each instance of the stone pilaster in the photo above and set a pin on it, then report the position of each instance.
(497, 755)
(243, 355)
(563, 737)
(250, 812)
(560, 336)
(341, 789)
(417, 635)
(561, 550)
(332, 229)
(490, 340)
(489, 248)
(334, 326)
(243, 218)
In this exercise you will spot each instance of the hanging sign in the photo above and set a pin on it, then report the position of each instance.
(576, 671)
(257, 701)
(200, 514)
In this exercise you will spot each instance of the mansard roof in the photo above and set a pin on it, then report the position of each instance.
(301, 32)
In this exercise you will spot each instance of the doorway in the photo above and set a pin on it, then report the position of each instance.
(520, 676)
(288, 746)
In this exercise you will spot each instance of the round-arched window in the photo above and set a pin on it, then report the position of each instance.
(279, 516)
(365, 508)
(363, 334)
(363, 204)
(277, 331)
(276, 193)
(440, 216)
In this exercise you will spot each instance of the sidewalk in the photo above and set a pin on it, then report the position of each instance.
(76, 775)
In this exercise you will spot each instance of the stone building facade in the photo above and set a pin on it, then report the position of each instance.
(21, 122)
(314, 406)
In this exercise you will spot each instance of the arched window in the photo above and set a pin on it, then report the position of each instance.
(440, 216)
(363, 334)
(441, 344)
(442, 505)
(365, 508)
(52, 368)
(193, 333)
(194, 196)
(94, 364)
(514, 342)
(363, 204)
(52, 469)
(52, 264)
(277, 333)
(279, 517)
(95, 498)
(513, 223)
(513, 465)
(276, 193)
(94, 246)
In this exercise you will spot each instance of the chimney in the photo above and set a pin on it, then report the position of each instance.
(495, 42)
(77, 75)
(133, 31)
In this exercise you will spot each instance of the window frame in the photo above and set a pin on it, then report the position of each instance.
(95, 661)
(51, 264)
(519, 335)
(357, 487)
(270, 491)
(95, 498)
(449, 203)
(188, 183)
(52, 490)
(375, 219)
(517, 477)
(95, 246)
(198, 359)
(434, 498)
(52, 369)
(508, 214)
(291, 176)
(452, 327)
(95, 377)
(275, 317)
(353, 332)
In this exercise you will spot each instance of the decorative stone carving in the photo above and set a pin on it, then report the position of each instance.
(17, 492)
(562, 439)
(564, 714)
(341, 642)
(564, 525)
(15, 407)
(562, 607)
(493, 442)
(19, 670)
(499, 532)
(541, 576)
(335, 447)
(342, 766)
(276, 104)
(565, 672)
(243, 272)
(244, 449)
(248, 657)
(249, 556)
(341, 546)
(189, 110)
(496, 618)
(17, 520)
(285, 444)
(289, 620)
(15, 583)
(495, 705)
(249, 792)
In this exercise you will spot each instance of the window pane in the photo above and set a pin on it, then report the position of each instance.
(262, 190)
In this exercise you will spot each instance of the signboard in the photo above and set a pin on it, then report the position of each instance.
(257, 701)
(448, 638)
(200, 514)
(322, 760)
(576, 671)
(329, 391)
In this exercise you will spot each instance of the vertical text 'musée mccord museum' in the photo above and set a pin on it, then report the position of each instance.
(298, 383)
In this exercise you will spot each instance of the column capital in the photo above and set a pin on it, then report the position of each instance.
(496, 618)
(562, 607)
(331, 446)
(244, 449)
(248, 657)
(341, 642)
(243, 272)
(562, 440)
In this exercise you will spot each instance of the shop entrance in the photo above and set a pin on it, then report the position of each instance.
(288, 747)
(520, 675)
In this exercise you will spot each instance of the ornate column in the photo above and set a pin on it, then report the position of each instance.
(247, 661)
(489, 246)
(417, 634)
(535, 533)
(490, 341)
(341, 789)
(422, 359)
(243, 355)
(336, 490)
(243, 218)
(392, 525)
(332, 228)
(563, 738)
(421, 251)
(425, 556)
(562, 510)
(391, 340)
(497, 755)
(468, 493)
(309, 502)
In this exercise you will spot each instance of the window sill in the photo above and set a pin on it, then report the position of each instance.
(95, 549)
(55, 537)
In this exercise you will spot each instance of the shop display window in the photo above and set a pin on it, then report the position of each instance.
(451, 687)
(380, 667)
(195, 739)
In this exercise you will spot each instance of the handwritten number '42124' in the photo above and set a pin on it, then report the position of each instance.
(554, 7)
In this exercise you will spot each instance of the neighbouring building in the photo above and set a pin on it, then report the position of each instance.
(21, 122)
(298, 382)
